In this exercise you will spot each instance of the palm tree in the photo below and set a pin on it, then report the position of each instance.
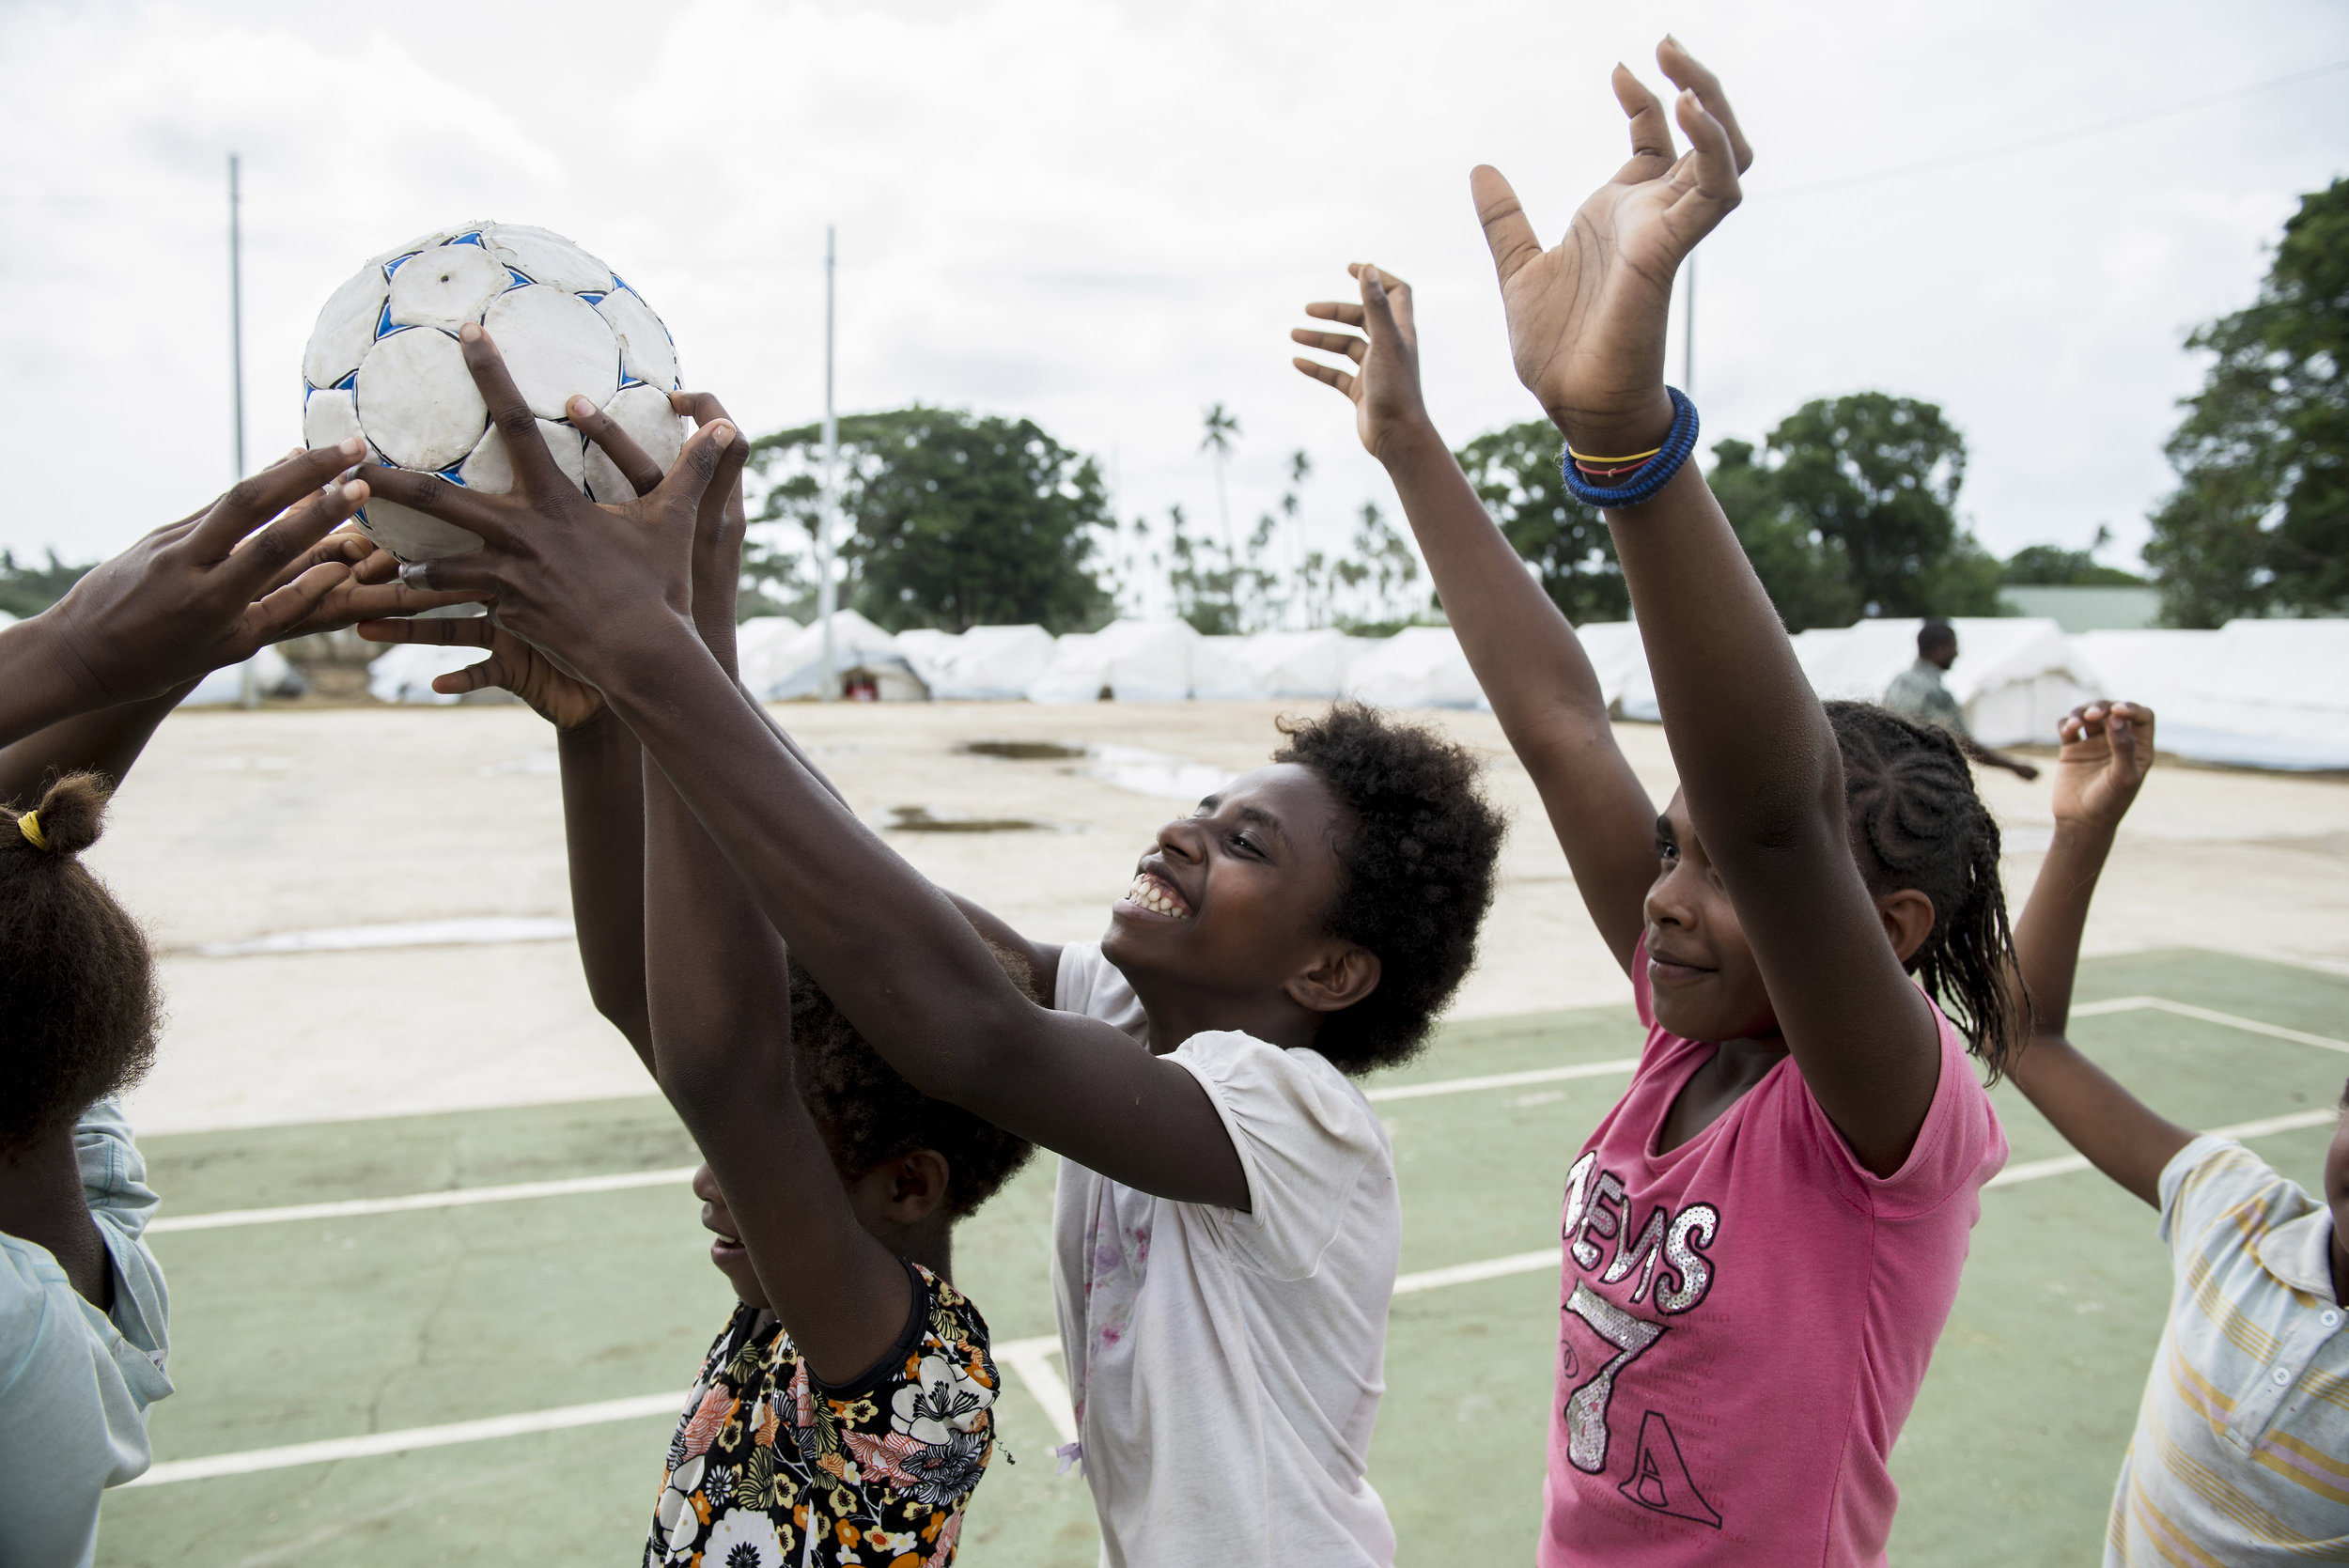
(1221, 427)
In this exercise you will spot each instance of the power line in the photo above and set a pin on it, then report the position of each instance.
(2053, 138)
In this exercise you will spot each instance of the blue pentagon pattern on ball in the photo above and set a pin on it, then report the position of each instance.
(383, 363)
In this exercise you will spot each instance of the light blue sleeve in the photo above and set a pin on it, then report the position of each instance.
(114, 1184)
(70, 1424)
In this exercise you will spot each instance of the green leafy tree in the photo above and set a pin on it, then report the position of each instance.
(2259, 521)
(27, 590)
(2054, 566)
(1515, 475)
(1878, 477)
(1806, 574)
(954, 519)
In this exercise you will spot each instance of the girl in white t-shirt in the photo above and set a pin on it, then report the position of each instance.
(1227, 1227)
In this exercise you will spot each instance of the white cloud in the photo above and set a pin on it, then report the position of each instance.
(1106, 216)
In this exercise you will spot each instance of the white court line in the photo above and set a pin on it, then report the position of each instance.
(1500, 1080)
(2187, 1010)
(1030, 1359)
(455, 1197)
(462, 1196)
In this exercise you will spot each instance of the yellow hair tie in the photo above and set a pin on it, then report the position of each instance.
(1635, 458)
(29, 825)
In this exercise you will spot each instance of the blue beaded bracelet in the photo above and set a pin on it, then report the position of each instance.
(1654, 475)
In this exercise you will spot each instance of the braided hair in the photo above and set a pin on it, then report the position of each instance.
(1917, 822)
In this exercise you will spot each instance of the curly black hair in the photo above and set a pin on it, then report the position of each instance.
(79, 1007)
(1415, 876)
(1917, 822)
(868, 1113)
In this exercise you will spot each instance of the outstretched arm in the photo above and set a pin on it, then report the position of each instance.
(1991, 758)
(1758, 764)
(110, 740)
(193, 596)
(1526, 657)
(718, 985)
(2107, 749)
(608, 589)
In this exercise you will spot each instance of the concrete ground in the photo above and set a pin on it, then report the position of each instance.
(238, 827)
(338, 1067)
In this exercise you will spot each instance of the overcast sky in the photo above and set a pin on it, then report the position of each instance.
(1106, 215)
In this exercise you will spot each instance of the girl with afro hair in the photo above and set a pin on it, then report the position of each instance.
(1226, 1227)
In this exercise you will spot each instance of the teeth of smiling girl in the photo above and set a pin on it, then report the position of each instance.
(1145, 893)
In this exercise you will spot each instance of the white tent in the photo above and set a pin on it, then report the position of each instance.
(757, 644)
(987, 663)
(400, 674)
(1420, 666)
(862, 657)
(1221, 672)
(2256, 694)
(1620, 660)
(2015, 676)
(1130, 661)
(273, 676)
(927, 649)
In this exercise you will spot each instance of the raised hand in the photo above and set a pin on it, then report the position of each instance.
(2108, 749)
(372, 591)
(583, 582)
(209, 590)
(560, 699)
(719, 524)
(1587, 318)
(1384, 386)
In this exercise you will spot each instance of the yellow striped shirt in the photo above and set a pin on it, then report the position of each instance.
(2241, 1453)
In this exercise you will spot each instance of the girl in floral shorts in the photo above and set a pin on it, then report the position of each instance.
(769, 1456)
(847, 1412)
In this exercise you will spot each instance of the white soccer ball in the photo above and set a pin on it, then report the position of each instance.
(383, 363)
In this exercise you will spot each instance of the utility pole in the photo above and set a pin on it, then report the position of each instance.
(828, 515)
(236, 320)
(1688, 332)
(248, 691)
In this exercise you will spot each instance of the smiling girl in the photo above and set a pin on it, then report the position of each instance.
(1226, 1230)
(1762, 1239)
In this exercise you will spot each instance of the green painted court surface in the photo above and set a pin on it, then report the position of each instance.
(298, 1331)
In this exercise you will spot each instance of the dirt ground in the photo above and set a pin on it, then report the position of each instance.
(244, 826)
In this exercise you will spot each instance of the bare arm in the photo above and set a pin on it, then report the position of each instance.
(1758, 763)
(1526, 657)
(607, 588)
(2106, 752)
(718, 985)
(187, 598)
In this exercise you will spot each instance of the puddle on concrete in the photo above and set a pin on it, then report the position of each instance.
(1157, 774)
(1024, 750)
(917, 819)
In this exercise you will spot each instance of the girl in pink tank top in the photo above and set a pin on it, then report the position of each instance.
(1762, 1239)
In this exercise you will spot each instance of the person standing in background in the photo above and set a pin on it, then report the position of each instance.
(1916, 694)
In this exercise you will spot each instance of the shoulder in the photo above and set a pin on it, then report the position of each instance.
(1265, 1085)
(1086, 982)
(2212, 1177)
(1959, 1147)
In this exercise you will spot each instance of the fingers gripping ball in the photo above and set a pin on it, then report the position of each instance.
(383, 365)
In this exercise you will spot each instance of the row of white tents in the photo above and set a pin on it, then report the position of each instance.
(2266, 694)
